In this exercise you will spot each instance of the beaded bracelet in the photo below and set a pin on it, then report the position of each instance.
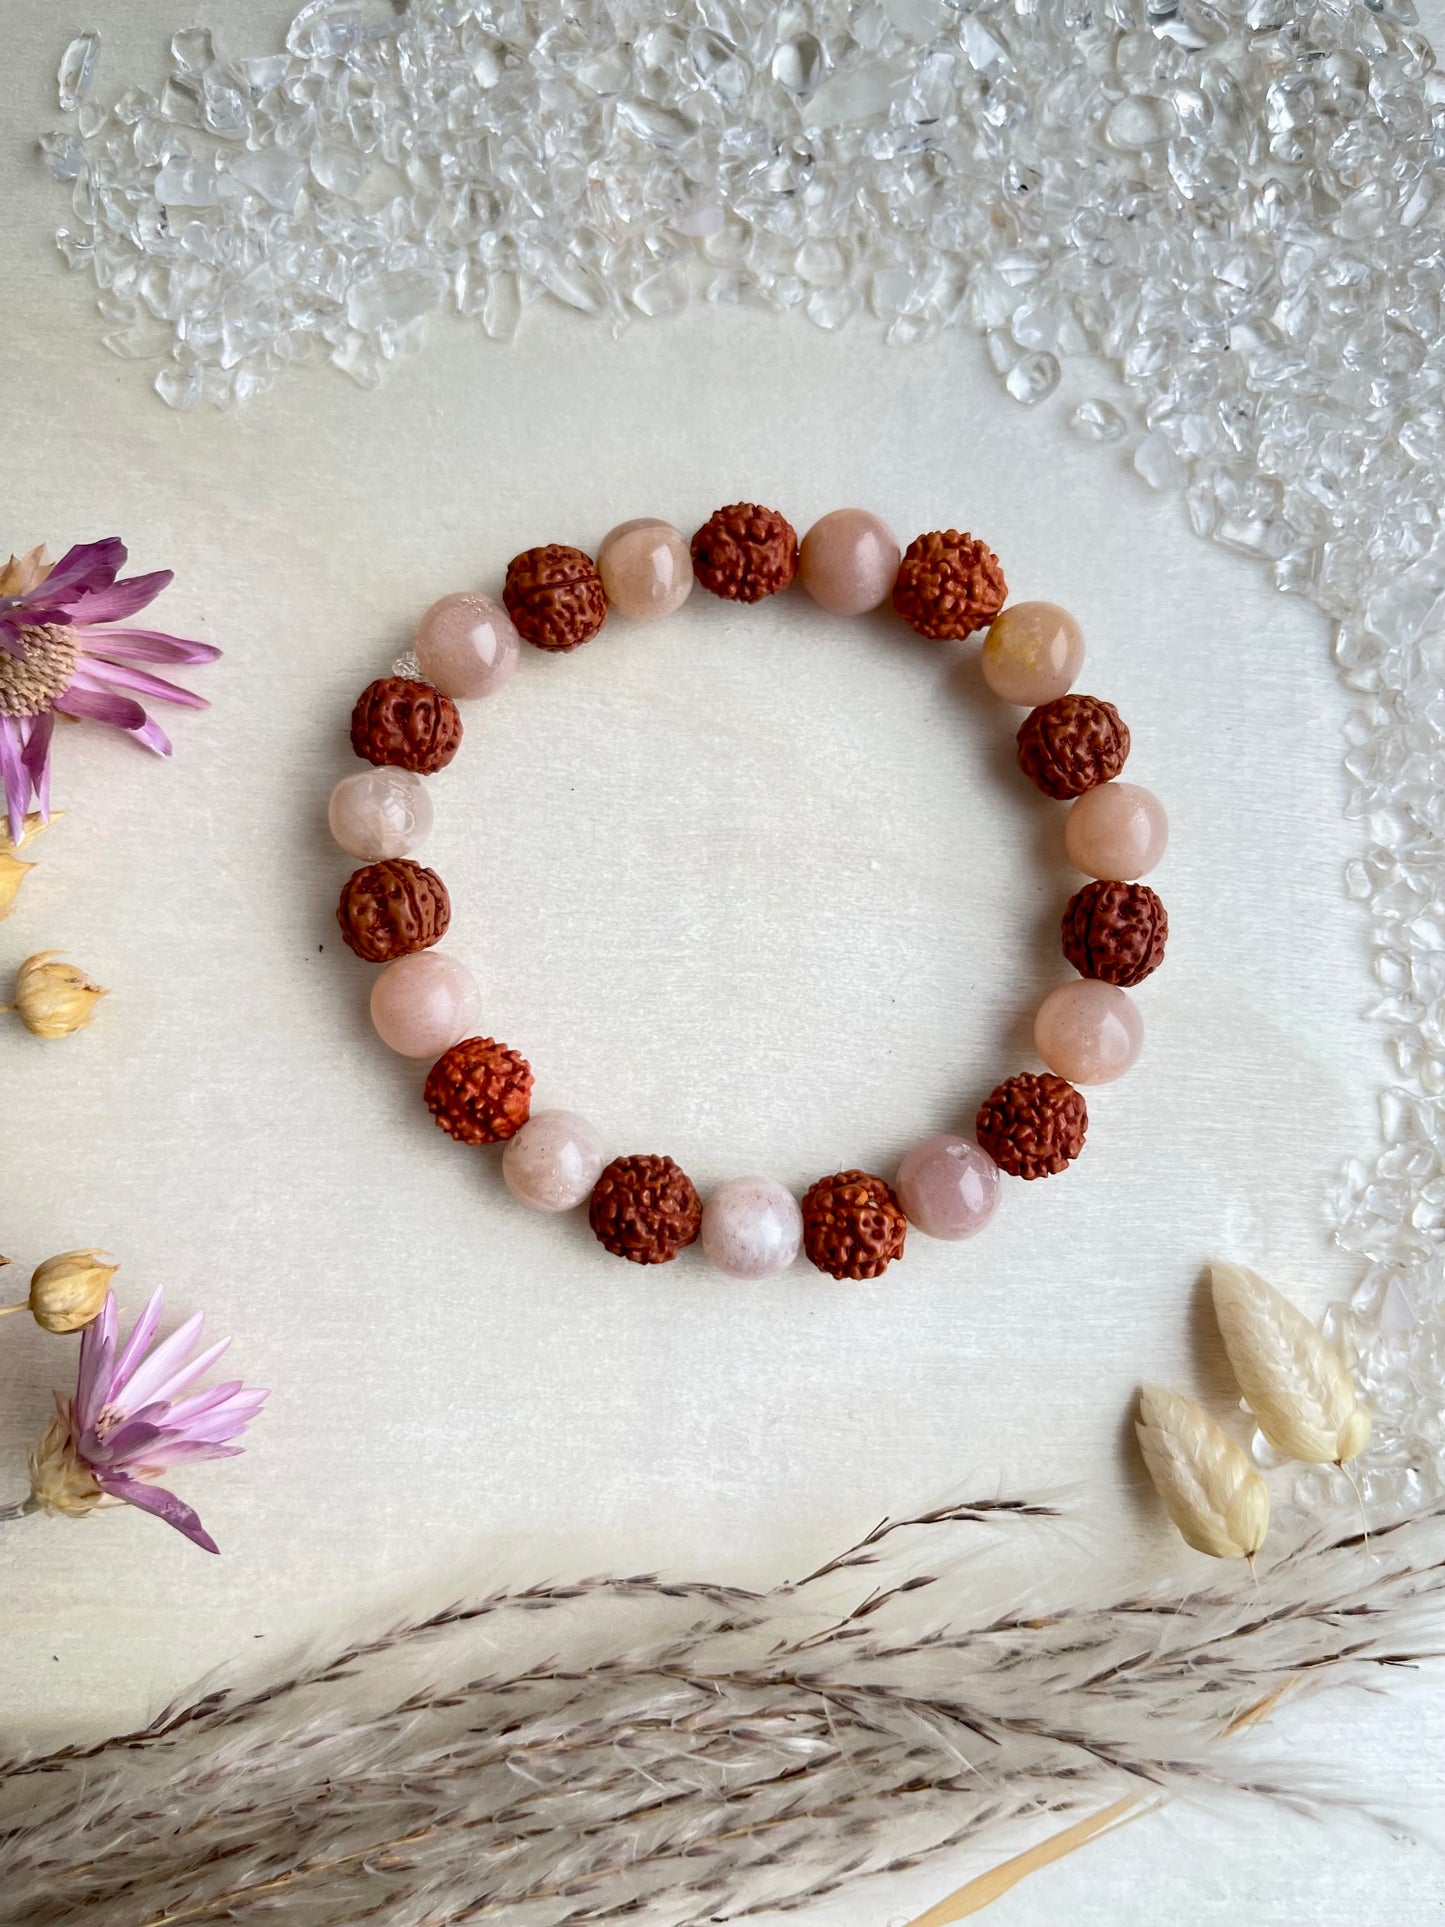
(426, 1004)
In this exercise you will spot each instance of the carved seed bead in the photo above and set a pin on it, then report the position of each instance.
(479, 1091)
(1072, 745)
(745, 552)
(645, 1209)
(1033, 1126)
(853, 1226)
(406, 724)
(555, 597)
(1116, 932)
(391, 908)
(948, 585)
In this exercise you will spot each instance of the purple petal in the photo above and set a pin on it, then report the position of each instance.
(143, 1386)
(14, 776)
(186, 1409)
(120, 598)
(165, 1505)
(116, 675)
(154, 737)
(186, 1375)
(100, 705)
(10, 641)
(81, 570)
(151, 645)
(36, 758)
(93, 1377)
(126, 1445)
(141, 1334)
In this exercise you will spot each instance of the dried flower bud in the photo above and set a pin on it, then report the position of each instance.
(1209, 1488)
(12, 871)
(1293, 1380)
(67, 1291)
(60, 1480)
(53, 999)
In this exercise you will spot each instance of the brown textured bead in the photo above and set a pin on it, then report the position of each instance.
(1072, 744)
(406, 724)
(479, 1091)
(555, 596)
(853, 1226)
(1033, 1127)
(948, 585)
(745, 552)
(1116, 932)
(391, 908)
(645, 1209)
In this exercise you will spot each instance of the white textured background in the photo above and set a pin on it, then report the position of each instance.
(757, 888)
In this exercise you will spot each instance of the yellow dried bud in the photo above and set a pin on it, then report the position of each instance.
(1209, 1488)
(53, 999)
(67, 1291)
(1293, 1380)
(60, 1481)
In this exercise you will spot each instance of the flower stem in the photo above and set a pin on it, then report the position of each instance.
(19, 1509)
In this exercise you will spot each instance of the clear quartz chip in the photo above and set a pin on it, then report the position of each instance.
(77, 70)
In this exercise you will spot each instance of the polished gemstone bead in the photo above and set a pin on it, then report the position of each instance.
(467, 646)
(751, 1228)
(1032, 653)
(1088, 1032)
(380, 813)
(947, 1186)
(1116, 832)
(553, 1161)
(646, 568)
(848, 561)
(423, 1004)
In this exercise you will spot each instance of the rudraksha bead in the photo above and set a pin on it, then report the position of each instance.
(479, 1091)
(745, 552)
(853, 1226)
(406, 724)
(1072, 744)
(948, 585)
(1033, 1126)
(1116, 932)
(391, 908)
(645, 1209)
(555, 597)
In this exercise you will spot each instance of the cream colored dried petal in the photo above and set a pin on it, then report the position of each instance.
(54, 999)
(59, 1480)
(1209, 1488)
(1293, 1380)
(12, 874)
(67, 1291)
(23, 573)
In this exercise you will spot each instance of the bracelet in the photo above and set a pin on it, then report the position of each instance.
(426, 1004)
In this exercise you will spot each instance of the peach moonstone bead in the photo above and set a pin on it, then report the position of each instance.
(847, 562)
(646, 568)
(380, 813)
(1116, 832)
(947, 1186)
(1088, 1032)
(553, 1161)
(1032, 653)
(423, 1004)
(467, 646)
(751, 1228)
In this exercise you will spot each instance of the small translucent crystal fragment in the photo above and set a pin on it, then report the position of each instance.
(63, 152)
(1032, 378)
(1157, 464)
(77, 70)
(276, 177)
(800, 65)
(1097, 420)
(193, 50)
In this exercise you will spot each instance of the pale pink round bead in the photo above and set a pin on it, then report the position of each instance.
(1117, 832)
(380, 812)
(1088, 1032)
(423, 1004)
(553, 1161)
(1032, 653)
(847, 562)
(467, 646)
(947, 1186)
(646, 568)
(751, 1228)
